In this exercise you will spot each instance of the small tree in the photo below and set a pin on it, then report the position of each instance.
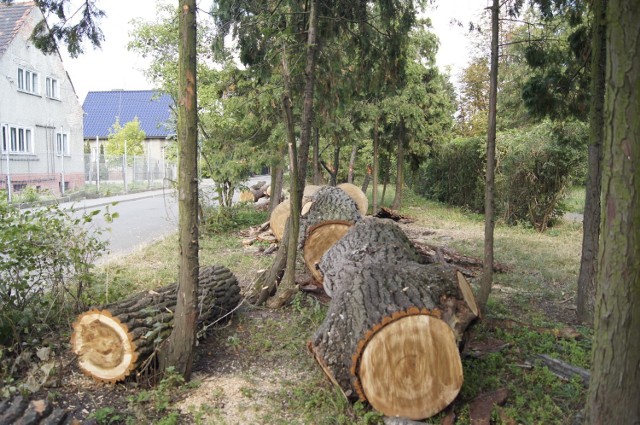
(131, 135)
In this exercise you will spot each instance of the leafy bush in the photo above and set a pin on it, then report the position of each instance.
(47, 258)
(534, 168)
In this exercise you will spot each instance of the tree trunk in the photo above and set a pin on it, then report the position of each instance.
(118, 338)
(591, 223)
(317, 177)
(489, 190)
(352, 163)
(288, 284)
(376, 167)
(265, 285)
(336, 163)
(614, 391)
(367, 180)
(179, 350)
(397, 199)
(392, 331)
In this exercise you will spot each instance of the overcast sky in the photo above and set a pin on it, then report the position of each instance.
(114, 67)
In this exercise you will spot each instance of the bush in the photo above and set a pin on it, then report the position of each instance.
(534, 168)
(47, 258)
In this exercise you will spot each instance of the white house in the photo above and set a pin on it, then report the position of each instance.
(41, 142)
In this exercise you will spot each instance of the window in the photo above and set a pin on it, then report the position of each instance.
(28, 81)
(52, 89)
(17, 140)
(62, 144)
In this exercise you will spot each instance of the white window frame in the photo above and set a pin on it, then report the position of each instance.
(28, 81)
(19, 140)
(62, 144)
(52, 88)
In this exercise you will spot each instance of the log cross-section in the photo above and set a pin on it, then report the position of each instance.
(113, 341)
(394, 326)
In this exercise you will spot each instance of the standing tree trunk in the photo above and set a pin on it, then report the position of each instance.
(397, 200)
(317, 178)
(489, 190)
(591, 223)
(352, 163)
(179, 350)
(615, 370)
(376, 166)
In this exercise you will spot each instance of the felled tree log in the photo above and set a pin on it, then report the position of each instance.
(369, 238)
(115, 340)
(20, 410)
(394, 326)
(357, 195)
(278, 219)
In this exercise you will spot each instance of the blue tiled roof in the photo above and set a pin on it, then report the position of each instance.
(153, 109)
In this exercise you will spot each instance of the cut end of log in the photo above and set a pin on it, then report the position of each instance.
(104, 346)
(411, 367)
(279, 217)
(467, 294)
(322, 237)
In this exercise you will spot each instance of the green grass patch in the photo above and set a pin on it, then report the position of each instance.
(574, 200)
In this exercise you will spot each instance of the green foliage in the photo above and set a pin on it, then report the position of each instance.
(535, 168)
(131, 136)
(106, 416)
(46, 268)
(239, 216)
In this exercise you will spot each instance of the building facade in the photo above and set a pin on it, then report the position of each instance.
(41, 119)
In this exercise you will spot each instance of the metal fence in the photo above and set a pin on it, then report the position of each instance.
(129, 171)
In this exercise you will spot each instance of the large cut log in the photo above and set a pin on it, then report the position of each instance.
(373, 238)
(118, 338)
(394, 326)
(279, 217)
(357, 195)
(330, 216)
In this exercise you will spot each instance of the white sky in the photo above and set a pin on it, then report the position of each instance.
(114, 67)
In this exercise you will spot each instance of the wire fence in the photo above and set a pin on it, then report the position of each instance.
(128, 171)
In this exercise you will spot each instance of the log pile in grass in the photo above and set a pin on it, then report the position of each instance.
(113, 341)
(20, 410)
(394, 326)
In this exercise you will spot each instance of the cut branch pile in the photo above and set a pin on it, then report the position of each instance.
(119, 338)
(394, 326)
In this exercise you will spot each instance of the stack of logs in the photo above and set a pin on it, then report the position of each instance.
(395, 324)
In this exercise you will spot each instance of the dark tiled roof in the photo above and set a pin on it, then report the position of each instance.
(11, 19)
(153, 109)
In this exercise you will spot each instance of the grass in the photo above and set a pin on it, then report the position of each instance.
(574, 201)
(281, 384)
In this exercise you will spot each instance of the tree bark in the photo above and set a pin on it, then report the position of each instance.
(392, 331)
(376, 166)
(397, 199)
(20, 410)
(489, 191)
(317, 177)
(614, 391)
(352, 163)
(591, 223)
(114, 340)
(179, 349)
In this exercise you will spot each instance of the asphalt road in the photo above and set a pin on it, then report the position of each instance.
(142, 218)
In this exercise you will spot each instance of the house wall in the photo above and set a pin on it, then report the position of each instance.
(43, 115)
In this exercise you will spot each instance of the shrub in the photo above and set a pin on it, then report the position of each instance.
(534, 168)
(47, 258)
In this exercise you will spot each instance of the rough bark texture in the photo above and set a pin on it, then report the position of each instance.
(357, 195)
(615, 370)
(268, 280)
(489, 190)
(20, 410)
(330, 204)
(369, 238)
(397, 199)
(145, 320)
(591, 224)
(383, 296)
(376, 294)
(178, 351)
(376, 166)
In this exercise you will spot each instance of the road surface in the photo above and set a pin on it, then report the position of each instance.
(142, 218)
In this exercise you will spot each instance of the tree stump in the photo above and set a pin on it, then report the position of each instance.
(117, 339)
(394, 326)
